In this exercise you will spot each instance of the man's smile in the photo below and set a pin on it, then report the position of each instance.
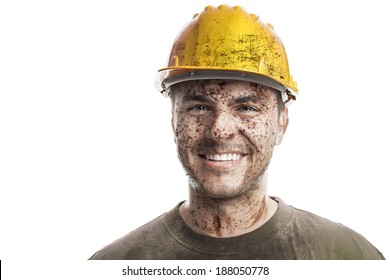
(221, 161)
(222, 156)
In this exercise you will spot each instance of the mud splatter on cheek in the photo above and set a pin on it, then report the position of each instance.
(184, 136)
(248, 123)
(252, 128)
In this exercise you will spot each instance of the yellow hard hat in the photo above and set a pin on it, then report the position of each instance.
(228, 43)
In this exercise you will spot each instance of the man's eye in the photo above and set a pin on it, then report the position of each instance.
(198, 108)
(247, 109)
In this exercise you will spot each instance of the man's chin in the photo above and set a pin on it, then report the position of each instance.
(219, 191)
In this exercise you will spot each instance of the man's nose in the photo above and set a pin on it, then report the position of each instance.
(222, 126)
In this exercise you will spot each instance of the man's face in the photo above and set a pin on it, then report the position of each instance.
(225, 133)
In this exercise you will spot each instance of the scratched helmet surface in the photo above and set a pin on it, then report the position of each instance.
(228, 43)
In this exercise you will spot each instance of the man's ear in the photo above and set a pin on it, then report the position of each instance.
(173, 125)
(282, 125)
(173, 114)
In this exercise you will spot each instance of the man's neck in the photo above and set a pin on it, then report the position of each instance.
(227, 218)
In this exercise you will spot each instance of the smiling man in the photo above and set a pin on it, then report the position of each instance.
(228, 80)
(225, 133)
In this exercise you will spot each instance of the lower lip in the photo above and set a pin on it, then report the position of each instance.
(220, 164)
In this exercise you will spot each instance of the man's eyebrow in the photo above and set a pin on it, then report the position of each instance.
(193, 97)
(238, 100)
(246, 99)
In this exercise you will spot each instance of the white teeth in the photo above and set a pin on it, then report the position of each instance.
(223, 157)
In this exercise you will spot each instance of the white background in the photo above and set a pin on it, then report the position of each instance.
(86, 148)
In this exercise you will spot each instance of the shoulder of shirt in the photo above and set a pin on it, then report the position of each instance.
(334, 235)
(131, 245)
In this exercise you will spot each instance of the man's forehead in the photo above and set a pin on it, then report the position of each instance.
(222, 88)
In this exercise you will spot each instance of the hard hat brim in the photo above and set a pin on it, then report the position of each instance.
(174, 75)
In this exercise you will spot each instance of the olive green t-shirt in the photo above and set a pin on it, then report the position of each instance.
(290, 234)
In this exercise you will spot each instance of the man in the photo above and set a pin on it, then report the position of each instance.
(229, 83)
